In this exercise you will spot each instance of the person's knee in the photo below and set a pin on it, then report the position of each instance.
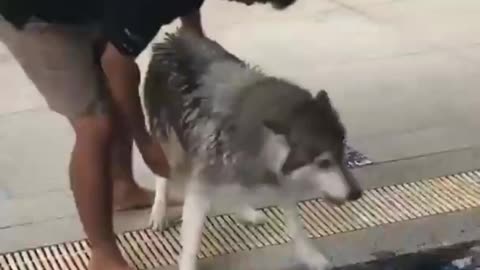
(97, 129)
(93, 136)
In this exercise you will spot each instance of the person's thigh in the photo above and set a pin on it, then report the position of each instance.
(59, 59)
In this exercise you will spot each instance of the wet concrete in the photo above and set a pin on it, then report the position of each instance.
(436, 259)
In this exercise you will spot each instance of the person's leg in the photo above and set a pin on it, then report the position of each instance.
(92, 188)
(59, 61)
(127, 194)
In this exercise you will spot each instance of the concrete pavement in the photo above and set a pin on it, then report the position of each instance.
(404, 75)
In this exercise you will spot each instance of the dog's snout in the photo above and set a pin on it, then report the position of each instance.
(355, 195)
(355, 192)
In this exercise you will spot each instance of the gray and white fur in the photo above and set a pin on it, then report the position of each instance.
(226, 125)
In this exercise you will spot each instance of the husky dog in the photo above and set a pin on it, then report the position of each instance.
(224, 124)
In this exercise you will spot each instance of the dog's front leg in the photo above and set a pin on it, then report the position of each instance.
(304, 249)
(195, 211)
(159, 208)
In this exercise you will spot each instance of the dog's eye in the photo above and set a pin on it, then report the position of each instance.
(324, 163)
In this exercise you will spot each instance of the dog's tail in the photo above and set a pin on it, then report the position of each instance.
(175, 73)
(177, 63)
(169, 74)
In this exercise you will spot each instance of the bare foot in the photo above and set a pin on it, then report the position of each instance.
(107, 260)
(131, 196)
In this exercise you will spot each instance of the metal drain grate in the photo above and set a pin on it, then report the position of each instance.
(145, 249)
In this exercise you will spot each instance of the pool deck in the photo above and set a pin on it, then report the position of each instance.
(403, 74)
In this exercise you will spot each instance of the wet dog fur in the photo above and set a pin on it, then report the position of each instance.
(225, 125)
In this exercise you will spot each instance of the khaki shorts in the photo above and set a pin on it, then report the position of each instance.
(59, 59)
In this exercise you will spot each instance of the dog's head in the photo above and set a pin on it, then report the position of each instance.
(314, 150)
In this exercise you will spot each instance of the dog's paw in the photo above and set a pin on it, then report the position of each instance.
(317, 264)
(313, 259)
(187, 263)
(250, 216)
(158, 217)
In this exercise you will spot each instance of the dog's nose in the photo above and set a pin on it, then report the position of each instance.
(355, 195)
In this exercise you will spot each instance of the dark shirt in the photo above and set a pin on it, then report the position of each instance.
(129, 24)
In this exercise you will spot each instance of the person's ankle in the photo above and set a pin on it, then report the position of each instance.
(106, 243)
(128, 196)
(124, 184)
(108, 253)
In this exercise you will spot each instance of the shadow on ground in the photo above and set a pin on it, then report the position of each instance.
(439, 259)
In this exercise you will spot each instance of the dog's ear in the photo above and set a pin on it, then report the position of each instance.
(276, 127)
(322, 97)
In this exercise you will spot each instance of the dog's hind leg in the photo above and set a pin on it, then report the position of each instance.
(176, 158)
(305, 251)
(195, 209)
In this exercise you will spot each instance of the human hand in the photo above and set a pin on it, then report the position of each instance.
(154, 157)
(192, 24)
